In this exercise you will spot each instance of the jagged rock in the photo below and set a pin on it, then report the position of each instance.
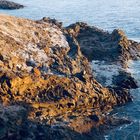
(97, 44)
(4, 4)
(125, 80)
(52, 21)
(43, 70)
(11, 118)
(109, 53)
(14, 124)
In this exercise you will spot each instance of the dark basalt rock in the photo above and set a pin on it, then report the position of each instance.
(111, 48)
(125, 80)
(51, 21)
(97, 44)
(121, 93)
(4, 4)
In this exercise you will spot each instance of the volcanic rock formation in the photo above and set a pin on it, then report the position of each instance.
(108, 53)
(45, 76)
(97, 44)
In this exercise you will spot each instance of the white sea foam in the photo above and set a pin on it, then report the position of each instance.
(134, 69)
(104, 72)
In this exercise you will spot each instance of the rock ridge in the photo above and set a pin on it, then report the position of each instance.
(49, 84)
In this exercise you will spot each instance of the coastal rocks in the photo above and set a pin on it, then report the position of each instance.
(125, 80)
(110, 74)
(132, 67)
(109, 53)
(14, 124)
(52, 21)
(4, 4)
(43, 70)
(11, 118)
(105, 72)
(97, 44)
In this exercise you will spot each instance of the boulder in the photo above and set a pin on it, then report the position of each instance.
(108, 53)
(97, 44)
(52, 21)
(4, 4)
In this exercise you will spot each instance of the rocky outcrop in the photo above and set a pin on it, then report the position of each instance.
(44, 73)
(97, 44)
(4, 4)
(14, 124)
(108, 53)
(125, 80)
(52, 21)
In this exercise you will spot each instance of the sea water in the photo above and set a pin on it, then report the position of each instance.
(105, 14)
(129, 111)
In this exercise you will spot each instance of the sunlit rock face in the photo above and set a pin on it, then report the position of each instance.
(44, 73)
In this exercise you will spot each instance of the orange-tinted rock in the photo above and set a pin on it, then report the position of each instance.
(43, 70)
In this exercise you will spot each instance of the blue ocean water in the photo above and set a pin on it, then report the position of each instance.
(105, 14)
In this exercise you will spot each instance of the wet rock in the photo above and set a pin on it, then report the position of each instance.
(121, 93)
(4, 4)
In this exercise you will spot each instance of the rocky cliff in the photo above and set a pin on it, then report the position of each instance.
(48, 84)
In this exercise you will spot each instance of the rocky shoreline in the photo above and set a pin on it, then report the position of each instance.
(9, 5)
(55, 80)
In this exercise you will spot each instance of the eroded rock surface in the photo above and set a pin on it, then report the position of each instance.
(43, 71)
(97, 44)
(108, 53)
